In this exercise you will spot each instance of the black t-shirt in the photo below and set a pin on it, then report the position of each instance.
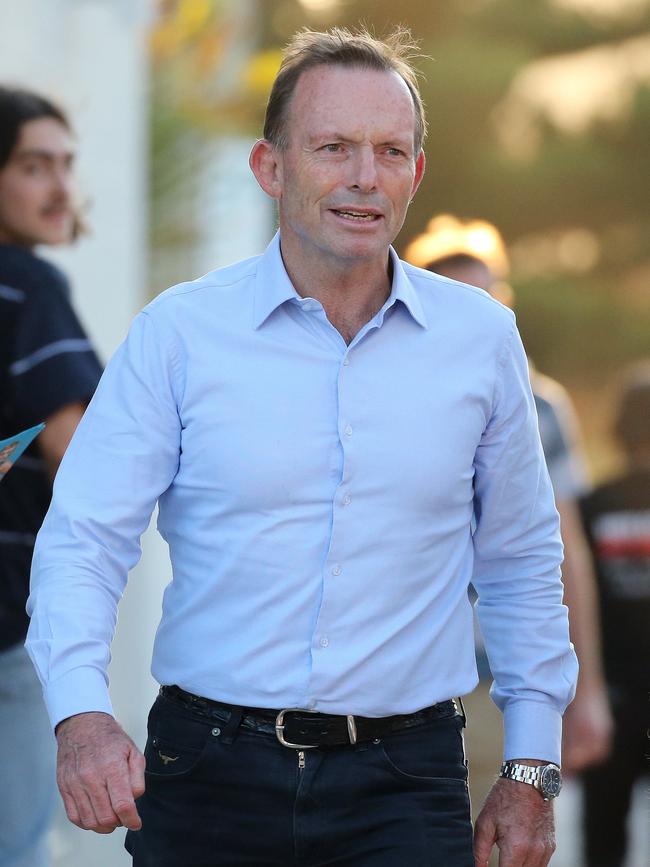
(46, 363)
(617, 521)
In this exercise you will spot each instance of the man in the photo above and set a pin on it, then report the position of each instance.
(473, 251)
(617, 520)
(48, 372)
(317, 495)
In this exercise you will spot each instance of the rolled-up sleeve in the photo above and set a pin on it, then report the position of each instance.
(123, 456)
(518, 553)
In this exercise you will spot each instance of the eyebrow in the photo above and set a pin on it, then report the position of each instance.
(42, 155)
(333, 136)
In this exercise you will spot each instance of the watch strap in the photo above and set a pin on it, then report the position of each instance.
(530, 774)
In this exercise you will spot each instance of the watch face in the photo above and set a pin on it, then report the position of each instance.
(551, 782)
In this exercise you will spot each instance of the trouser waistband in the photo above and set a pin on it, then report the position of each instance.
(303, 729)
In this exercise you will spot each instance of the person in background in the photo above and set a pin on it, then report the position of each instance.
(48, 372)
(473, 251)
(616, 515)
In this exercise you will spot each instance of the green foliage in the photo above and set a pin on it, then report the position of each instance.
(574, 332)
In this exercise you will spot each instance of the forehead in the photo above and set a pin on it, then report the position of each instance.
(352, 100)
(46, 135)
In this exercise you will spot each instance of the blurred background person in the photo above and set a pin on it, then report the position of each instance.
(617, 521)
(48, 372)
(473, 252)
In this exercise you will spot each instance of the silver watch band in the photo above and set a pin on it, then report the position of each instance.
(521, 773)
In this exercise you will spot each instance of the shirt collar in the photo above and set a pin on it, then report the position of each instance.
(273, 286)
(404, 291)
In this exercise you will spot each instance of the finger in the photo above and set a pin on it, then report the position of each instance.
(484, 840)
(525, 853)
(136, 772)
(540, 853)
(71, 808)
(88, 814)
(89, 789)
(107, 819)
(122, 803)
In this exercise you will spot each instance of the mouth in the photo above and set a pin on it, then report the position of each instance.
(56, 212)
(56, 215)
(354, 215)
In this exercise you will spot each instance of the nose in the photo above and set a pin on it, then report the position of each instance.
(364, 170)
(62, 180)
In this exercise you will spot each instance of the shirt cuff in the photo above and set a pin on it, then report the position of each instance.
(82, 690)
(532, 730)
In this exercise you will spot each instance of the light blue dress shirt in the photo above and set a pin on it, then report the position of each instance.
(318, 500)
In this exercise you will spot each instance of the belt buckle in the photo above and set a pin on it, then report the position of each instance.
(279, 728)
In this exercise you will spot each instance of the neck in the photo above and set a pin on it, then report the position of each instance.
(351, 292)
(12, 241)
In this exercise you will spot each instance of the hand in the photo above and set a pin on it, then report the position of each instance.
(587, 731)
(100, 772)
(520, 822)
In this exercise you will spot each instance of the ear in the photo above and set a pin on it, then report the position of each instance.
(266, 165)
(419, 172)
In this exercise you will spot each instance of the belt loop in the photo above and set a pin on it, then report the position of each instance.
(462, 712)
(229, 728)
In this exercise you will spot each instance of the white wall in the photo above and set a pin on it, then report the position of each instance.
(91, 56)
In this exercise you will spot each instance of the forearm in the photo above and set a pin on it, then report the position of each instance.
(73, 617)
(525, 626)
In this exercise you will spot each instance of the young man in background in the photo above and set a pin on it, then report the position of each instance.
(48, 372)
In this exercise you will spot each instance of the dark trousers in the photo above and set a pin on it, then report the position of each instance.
(219, 794)
(608, 786)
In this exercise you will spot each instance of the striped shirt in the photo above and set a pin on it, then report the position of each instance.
(46, 363)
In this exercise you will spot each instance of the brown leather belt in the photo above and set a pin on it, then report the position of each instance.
(303, 729)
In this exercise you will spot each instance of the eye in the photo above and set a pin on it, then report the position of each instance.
(394, 152)
(332, 148)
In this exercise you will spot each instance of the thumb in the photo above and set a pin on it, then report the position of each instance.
(136, 764)
(484, 840)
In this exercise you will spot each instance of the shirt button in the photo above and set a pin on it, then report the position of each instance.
(347, 499)
(324, 642)
(336, 570)
(346, 361)
(348, 430)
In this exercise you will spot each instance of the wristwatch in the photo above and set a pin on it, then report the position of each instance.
(547, 779)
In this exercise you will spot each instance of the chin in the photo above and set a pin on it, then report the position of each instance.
(361, 250)
(55, 237)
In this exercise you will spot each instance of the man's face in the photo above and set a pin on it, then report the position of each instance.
(349, 171)
(36, 204)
